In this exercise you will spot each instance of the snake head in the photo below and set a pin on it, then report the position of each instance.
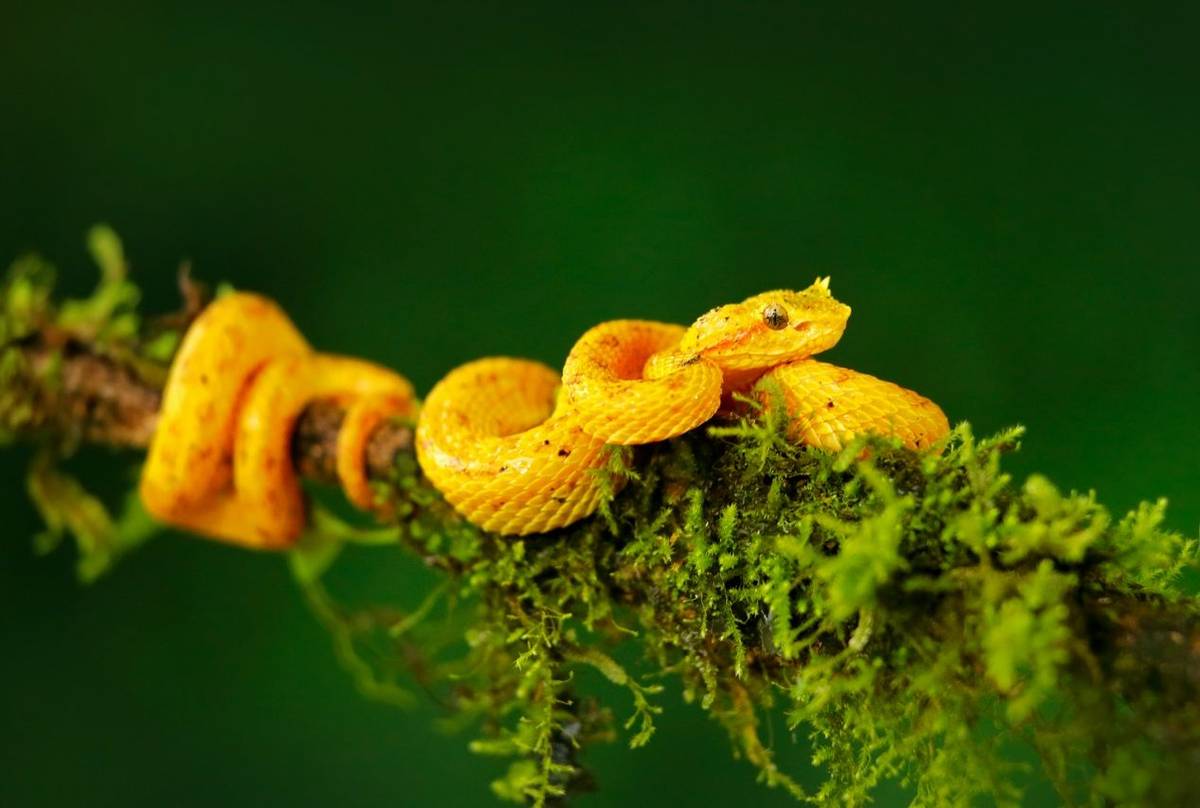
(768, 329)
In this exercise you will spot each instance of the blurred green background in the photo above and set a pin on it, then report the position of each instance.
(1010, 200)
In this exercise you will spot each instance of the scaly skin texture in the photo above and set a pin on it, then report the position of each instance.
(828, 405)
(220, 461)
(515, 455)
(605, 384)
(491, 440)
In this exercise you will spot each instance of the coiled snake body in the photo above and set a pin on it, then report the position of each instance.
(516, 456)
(509, 443)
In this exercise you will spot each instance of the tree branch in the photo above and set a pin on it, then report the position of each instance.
(899, 603)
(102, 401)
(1143, 644)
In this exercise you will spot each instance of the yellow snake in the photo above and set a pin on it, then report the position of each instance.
(514, 447)
(515, 455)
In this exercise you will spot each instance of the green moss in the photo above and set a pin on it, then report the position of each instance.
(24, 308)
(914, 615)
(68, 509)
(108, 323)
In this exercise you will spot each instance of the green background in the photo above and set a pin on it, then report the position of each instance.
(1010, 200)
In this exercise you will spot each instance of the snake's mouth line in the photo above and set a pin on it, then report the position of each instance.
(764, 360)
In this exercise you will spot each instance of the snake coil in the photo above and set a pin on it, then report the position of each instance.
(220, 460)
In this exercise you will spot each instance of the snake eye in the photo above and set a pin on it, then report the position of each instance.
(775, 316)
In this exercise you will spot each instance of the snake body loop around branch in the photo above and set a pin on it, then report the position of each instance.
(220, 461)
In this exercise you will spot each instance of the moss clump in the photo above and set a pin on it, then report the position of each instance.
(107, 323)
(914, 614)
(24, 308)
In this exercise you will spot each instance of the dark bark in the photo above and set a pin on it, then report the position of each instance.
(98, 400)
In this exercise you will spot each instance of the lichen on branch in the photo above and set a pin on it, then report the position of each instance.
(920, 617)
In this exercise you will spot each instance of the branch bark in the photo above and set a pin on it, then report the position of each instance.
(106, 403)
(99, 400)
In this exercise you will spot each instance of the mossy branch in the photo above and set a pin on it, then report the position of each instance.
(918, 616)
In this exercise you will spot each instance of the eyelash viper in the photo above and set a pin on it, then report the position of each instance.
(514, 447)
(516, 454)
